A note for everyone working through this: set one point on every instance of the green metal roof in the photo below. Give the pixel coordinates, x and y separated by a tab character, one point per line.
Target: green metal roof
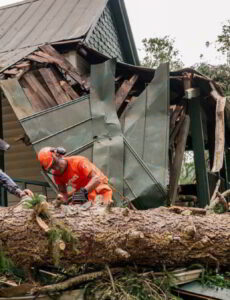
26	25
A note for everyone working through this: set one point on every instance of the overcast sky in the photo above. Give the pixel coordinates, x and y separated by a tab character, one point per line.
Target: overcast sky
190	23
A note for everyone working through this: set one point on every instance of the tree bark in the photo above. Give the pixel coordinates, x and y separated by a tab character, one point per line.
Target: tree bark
157	237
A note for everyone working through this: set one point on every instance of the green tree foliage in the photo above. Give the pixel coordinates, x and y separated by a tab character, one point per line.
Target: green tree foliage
219	73
160	50
223	39
212	279
188	175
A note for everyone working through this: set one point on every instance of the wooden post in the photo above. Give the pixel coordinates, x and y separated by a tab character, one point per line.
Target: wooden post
199	151
123	91
177	163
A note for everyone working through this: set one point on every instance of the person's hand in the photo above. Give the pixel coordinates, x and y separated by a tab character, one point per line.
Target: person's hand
60	199
63	199
26	192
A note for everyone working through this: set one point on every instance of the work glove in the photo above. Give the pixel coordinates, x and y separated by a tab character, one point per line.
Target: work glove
84	192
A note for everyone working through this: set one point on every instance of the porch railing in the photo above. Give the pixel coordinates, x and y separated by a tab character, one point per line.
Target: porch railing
24	183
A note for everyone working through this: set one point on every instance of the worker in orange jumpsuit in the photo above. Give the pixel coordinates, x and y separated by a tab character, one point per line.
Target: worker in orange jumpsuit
77	172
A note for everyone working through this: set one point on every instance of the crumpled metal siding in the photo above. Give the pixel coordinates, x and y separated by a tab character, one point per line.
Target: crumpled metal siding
146	127
108	146
156	144
141	185
133	158
61	125
54	126
138	167
147	122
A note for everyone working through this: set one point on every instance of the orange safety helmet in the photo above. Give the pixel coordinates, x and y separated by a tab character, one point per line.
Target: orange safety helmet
45	157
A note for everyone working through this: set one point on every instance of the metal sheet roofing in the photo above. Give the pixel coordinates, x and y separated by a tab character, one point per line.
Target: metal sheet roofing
11	57
35	22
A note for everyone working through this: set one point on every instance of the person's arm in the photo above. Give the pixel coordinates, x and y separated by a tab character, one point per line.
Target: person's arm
12	187
63	195
93	183
87	169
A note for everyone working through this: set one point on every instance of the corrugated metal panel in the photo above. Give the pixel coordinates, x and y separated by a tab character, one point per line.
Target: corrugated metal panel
37	22
146	144
49	128
112	150
108	147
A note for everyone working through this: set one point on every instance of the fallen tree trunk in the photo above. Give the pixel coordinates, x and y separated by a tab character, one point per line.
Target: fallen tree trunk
157	237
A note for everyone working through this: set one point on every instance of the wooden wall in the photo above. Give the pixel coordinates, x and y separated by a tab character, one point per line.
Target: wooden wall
20	160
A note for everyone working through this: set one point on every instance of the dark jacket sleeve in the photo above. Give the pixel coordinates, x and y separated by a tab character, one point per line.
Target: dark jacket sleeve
9	184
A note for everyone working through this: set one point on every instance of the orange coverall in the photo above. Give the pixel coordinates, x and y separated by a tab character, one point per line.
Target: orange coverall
77	175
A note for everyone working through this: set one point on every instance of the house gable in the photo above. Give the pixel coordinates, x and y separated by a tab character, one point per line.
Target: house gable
105	38
112	35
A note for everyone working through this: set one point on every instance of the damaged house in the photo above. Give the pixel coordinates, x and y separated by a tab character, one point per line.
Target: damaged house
70	77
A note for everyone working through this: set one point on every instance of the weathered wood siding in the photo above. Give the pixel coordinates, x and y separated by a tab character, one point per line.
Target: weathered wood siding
20	160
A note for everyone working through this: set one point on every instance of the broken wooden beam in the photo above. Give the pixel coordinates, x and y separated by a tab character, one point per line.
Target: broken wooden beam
37	58
38	88
63	63
22	72
175	130
13	71
124	90
54	86
24	64
34	99
50	59
174	116
177	163
69	90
